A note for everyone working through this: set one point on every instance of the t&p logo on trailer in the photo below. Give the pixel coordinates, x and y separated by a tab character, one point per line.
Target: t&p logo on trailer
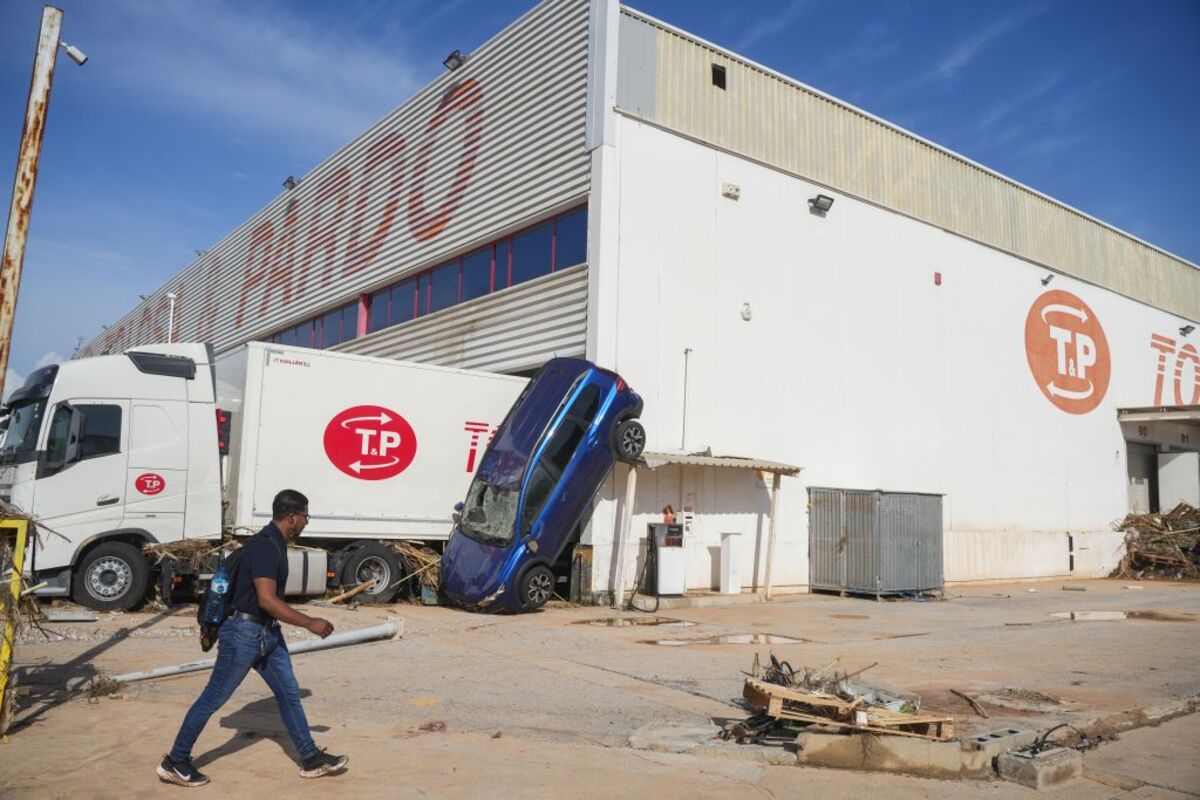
370	443
1067	352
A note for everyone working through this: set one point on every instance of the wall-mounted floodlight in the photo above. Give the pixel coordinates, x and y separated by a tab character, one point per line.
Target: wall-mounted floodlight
820	204
200	253
289	183
1047	279
143	297
454	60
1186	329
77	55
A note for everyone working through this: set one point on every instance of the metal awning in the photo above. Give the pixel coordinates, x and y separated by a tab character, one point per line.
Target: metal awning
656	460
1183	414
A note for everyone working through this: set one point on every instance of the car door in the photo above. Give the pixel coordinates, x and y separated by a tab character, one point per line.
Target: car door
80	489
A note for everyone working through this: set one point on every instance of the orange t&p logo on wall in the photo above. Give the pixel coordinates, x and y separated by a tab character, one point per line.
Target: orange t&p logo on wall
1067	351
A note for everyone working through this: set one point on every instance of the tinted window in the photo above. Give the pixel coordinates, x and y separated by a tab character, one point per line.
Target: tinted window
423	294
403	297
101	431
349	321
331	326
379	310
531	253
444	291
502	251
570	239
586	404
476	274
562	444
537	491
60	429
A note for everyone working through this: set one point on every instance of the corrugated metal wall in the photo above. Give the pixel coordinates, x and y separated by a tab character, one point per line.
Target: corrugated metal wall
517	329
475	154
871	542
768	118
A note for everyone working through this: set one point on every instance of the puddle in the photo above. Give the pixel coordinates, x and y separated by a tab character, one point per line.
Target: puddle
732	638
629	622
1108	616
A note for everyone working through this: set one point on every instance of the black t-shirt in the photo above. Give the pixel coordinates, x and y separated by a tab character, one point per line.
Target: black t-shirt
263	556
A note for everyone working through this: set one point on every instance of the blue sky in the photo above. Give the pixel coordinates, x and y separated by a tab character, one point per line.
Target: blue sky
190	114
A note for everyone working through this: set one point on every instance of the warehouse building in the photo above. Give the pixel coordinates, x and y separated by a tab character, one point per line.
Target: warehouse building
783	277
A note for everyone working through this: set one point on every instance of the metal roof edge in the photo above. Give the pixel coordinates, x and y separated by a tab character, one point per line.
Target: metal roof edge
904	131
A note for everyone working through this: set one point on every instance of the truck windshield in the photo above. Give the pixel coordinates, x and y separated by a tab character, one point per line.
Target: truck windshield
24	424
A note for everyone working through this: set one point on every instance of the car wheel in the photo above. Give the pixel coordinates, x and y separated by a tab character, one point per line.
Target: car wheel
629	440
376	563
112	576
537	587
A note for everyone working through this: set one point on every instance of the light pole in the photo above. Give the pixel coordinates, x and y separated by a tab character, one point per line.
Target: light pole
27	166
171	317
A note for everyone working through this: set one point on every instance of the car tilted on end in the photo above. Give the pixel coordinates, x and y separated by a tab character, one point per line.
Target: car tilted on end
536	482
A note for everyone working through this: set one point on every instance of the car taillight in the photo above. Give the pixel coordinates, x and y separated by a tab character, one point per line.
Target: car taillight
224	421
621	384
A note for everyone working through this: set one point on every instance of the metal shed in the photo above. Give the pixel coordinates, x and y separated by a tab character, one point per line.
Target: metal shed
874	542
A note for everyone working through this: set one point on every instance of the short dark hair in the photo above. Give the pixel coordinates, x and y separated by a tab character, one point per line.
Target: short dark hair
289	501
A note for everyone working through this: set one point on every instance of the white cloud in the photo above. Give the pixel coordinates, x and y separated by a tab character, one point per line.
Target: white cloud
259	68
12	382
46	360
772	24
969	47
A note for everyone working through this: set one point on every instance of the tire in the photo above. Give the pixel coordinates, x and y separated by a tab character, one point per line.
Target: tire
536	587
375	562
629	440
112	576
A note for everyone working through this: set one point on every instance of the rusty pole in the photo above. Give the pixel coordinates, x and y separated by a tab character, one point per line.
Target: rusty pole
27	166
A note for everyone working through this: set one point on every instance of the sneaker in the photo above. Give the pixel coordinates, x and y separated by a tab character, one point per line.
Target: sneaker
322	763
180	773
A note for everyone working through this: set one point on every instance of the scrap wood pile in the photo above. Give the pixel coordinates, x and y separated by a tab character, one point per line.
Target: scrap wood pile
793	699
1164	545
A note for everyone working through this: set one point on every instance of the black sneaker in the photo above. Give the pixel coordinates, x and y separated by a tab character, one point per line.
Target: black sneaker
180	773
322	763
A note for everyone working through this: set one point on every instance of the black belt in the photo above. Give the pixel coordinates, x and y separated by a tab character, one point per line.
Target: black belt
253	618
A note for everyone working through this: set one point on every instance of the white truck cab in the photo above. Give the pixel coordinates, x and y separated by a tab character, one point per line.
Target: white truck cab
166	442
110	453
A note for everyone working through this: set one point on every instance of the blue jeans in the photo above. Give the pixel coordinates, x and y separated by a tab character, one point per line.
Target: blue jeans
242	644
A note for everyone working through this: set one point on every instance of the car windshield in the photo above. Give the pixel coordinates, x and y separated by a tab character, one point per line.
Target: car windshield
24	423
489	513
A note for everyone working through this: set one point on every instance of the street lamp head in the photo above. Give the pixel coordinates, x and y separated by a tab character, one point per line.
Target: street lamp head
171	295
77	55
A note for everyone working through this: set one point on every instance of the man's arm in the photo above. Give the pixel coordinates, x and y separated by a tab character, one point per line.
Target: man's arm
270	603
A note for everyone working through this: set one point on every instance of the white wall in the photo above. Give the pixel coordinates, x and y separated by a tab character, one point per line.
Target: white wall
855	365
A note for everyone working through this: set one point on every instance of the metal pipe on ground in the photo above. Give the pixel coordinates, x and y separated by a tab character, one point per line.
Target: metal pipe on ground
388	630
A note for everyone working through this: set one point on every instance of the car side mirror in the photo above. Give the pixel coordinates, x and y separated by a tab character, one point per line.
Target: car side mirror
457	515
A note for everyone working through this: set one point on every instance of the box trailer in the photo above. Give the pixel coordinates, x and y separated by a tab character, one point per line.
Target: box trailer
167	443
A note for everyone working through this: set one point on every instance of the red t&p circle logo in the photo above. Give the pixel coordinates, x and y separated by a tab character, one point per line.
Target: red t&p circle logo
370	442
1067	352
149	483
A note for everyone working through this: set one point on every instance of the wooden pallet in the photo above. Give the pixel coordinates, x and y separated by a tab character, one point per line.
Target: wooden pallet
823	709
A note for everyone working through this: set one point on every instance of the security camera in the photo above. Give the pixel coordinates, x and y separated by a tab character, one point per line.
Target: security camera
77	55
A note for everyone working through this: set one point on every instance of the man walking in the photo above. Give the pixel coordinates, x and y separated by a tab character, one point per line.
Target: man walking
251	638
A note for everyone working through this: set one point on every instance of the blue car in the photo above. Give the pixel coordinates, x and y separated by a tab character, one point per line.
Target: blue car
536	482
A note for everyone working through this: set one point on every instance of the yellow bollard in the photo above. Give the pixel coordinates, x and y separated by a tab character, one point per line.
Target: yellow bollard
11	612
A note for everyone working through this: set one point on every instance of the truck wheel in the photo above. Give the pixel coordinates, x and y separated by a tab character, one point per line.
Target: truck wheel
376	563
629	440
112	576
536	587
